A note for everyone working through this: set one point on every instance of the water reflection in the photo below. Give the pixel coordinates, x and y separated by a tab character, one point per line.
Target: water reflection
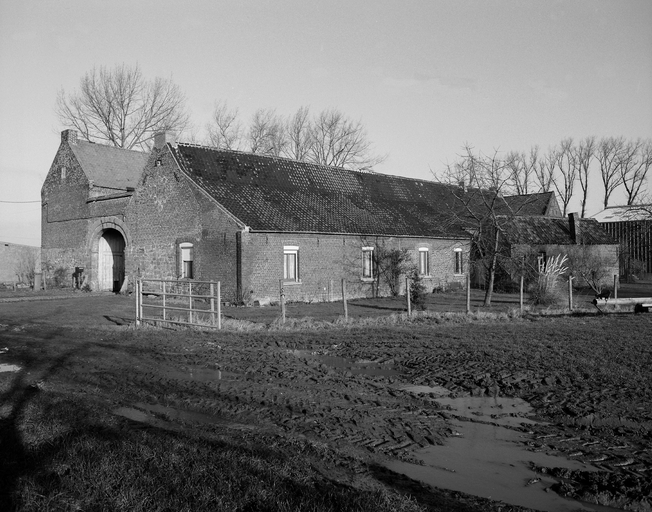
490	462
487	458
4	367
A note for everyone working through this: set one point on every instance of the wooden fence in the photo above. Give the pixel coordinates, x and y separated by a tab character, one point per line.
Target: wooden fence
179	302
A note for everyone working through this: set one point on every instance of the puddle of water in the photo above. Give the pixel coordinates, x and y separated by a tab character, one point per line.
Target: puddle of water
360	367
488	461
4	367
499	410
143	413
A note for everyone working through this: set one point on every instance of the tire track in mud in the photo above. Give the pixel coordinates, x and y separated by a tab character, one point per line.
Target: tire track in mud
604	422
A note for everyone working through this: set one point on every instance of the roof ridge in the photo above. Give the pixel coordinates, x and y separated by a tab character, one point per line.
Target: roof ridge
109	146
323	166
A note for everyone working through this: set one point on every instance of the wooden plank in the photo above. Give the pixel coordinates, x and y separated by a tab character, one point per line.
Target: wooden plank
622	301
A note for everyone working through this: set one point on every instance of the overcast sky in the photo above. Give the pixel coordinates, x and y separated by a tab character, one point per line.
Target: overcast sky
423	76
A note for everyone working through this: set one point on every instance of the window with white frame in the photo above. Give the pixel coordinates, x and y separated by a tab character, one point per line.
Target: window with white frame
424	261
187	260
367	262
291	263
459	261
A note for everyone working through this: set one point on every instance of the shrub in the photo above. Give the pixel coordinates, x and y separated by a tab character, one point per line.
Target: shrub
545	290
60	277
418	292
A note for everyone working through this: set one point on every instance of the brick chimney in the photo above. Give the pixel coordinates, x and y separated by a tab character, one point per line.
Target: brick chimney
575	227
69	136
164	137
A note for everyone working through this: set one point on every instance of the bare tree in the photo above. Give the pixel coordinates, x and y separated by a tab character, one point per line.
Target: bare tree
25	267
119	107
299	135
224	129
634	163
267	134
608	154
545	169
566	172
338	141
583	155
480	206
522	170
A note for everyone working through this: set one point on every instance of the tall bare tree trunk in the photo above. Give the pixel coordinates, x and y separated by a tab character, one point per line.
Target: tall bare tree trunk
492	273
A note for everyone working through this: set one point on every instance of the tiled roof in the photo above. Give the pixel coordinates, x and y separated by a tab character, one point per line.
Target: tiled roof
530	204
277	194
108	166
541	230
624	213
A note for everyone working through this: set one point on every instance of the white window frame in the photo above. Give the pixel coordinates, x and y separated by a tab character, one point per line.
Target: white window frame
424	261
187	251
291	272
368	270
458	262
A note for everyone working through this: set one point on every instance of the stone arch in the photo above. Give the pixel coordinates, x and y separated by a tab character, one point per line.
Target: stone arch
109	245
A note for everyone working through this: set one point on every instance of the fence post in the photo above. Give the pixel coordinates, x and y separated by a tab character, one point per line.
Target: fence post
137	302
468	293
219	305
189	302
282	300
570	293
164	293
407	296
346	309
615	286
520	297
212	294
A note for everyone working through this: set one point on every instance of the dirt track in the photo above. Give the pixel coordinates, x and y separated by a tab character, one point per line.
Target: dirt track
590	377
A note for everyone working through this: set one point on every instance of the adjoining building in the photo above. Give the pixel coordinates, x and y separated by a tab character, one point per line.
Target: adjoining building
19	263
529	243
632	226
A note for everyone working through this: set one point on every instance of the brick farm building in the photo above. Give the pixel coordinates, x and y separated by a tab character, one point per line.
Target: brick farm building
185	211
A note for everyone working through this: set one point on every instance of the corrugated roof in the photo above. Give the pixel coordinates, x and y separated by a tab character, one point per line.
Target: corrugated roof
108	166
277	194
541	230
624	213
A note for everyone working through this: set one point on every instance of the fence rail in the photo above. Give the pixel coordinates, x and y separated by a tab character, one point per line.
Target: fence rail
192	314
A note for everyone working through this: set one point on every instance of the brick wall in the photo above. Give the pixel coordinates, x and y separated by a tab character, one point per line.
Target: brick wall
167	210
603	258
324	260
70	225
65	213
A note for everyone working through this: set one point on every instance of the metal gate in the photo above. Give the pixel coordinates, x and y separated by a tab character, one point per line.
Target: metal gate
182	302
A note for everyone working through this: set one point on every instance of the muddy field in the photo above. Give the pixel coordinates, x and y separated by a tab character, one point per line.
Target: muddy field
588	377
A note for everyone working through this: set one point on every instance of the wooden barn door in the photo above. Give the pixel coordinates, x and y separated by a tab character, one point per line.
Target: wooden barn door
111	261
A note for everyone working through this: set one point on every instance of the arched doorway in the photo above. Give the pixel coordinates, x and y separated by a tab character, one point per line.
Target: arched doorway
111	261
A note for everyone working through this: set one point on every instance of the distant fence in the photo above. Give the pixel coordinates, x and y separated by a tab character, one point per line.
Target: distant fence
179	302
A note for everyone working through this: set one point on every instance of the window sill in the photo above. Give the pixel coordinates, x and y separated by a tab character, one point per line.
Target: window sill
368	279
291	283
423	276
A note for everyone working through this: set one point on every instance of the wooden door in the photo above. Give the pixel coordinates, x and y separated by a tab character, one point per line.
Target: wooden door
111	262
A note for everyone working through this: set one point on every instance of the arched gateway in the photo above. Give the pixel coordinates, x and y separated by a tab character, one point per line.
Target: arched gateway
110	261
